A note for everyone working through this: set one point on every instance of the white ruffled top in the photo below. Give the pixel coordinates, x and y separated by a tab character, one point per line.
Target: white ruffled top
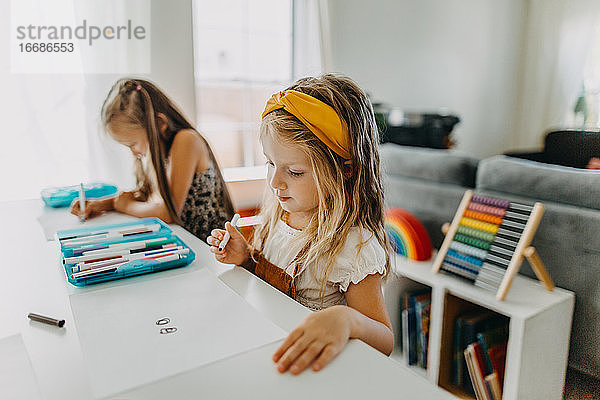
350	266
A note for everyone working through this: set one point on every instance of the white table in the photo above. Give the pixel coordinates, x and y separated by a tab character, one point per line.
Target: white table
33	280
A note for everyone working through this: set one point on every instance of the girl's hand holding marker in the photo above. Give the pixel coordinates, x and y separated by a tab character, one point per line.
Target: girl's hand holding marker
229	245
91	208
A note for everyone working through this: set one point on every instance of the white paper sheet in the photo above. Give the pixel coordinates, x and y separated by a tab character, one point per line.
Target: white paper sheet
122	344
59	219
17	379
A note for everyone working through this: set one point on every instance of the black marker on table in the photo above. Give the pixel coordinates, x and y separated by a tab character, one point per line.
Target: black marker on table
46	320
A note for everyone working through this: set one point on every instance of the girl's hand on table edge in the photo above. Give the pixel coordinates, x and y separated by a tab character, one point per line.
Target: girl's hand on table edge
317	340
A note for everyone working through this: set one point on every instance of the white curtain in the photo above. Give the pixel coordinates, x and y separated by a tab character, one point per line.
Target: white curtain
557	38
325	30
108	161
310	38
43	135
52	134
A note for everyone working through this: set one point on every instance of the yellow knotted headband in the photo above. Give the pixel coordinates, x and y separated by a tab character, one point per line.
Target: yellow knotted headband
320	118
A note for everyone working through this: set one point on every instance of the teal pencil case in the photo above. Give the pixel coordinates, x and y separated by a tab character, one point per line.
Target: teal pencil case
63	196
104	253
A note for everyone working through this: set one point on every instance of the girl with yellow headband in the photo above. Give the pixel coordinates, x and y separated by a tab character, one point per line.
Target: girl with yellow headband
322	240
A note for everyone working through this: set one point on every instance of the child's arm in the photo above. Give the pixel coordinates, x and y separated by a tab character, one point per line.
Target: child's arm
371	322
323	335
126	203
188	154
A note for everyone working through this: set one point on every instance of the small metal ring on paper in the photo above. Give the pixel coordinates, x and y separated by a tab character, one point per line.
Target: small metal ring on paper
170	329
163	321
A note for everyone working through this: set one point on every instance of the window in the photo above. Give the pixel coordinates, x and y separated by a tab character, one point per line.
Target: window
242	54
587	107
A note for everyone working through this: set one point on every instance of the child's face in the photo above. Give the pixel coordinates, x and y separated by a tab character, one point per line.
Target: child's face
290	176
133	137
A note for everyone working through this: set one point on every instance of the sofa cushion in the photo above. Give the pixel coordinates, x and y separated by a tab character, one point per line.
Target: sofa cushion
442	166
540	181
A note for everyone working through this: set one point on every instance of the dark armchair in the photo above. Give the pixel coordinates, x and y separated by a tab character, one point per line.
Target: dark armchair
571	148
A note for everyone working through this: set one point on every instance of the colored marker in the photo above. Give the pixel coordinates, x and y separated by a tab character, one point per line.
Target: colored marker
67	238
137	244
113	253
81	202
133	252
109	235
136	256
227	236
79	236
115	268
99	265
142	244
46	320
96	271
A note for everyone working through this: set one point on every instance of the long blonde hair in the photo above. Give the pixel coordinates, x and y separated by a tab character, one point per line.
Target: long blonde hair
137	102
349	195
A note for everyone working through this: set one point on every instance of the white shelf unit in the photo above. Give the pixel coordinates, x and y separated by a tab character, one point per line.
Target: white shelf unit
539	329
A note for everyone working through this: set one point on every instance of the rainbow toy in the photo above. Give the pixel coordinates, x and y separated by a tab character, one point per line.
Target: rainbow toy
487	240
407	234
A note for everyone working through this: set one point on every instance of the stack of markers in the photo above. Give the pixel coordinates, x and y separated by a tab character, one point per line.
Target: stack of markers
116	251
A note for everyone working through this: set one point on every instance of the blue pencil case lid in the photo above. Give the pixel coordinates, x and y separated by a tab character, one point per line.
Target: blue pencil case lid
63	196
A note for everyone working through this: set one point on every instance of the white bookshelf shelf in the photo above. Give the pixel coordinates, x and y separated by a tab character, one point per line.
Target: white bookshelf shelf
539	330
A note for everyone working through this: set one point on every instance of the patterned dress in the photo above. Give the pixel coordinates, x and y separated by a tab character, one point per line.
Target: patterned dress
204	208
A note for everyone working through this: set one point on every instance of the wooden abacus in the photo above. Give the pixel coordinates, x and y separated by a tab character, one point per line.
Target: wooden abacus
487	240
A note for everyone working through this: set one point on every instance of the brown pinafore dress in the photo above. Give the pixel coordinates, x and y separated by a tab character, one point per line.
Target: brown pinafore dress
276	276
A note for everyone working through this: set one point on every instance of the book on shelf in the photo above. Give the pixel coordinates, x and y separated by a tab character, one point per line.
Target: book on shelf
425	332
405	336
422	308
488	390
467	328
457	354
485	386
497	356
496	339
494	386
415	327
411	338
480	359
475	374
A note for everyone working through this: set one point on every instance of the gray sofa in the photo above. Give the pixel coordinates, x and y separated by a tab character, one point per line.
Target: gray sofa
430	184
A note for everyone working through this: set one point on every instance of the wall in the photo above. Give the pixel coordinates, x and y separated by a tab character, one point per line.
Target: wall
462	55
